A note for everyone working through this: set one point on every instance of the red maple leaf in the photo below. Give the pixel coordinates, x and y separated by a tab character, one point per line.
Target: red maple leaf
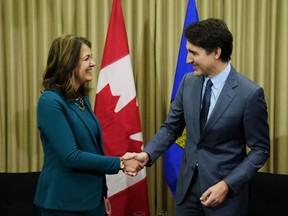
117	127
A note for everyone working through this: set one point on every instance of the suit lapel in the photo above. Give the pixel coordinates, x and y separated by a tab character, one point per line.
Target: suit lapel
196	95
225	98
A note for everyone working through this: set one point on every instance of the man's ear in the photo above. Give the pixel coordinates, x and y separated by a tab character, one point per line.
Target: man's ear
217	53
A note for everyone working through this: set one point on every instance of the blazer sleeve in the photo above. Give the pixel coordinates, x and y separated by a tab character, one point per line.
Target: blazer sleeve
57	136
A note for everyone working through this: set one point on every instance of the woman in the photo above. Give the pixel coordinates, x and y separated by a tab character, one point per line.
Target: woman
72	180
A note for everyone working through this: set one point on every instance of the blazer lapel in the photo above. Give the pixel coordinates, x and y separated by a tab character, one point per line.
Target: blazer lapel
78	112
100	142
225	98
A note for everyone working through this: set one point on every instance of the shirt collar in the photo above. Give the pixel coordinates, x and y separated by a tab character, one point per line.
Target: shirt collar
220	78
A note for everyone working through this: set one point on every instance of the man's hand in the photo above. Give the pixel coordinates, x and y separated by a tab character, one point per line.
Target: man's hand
134	162
215	195
141	157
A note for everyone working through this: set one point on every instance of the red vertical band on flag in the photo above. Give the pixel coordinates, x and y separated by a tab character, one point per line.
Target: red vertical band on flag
117	110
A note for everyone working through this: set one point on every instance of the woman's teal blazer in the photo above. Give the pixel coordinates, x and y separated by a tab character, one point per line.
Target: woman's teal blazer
73	173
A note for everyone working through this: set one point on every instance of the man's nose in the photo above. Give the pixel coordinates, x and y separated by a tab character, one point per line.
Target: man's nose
189	60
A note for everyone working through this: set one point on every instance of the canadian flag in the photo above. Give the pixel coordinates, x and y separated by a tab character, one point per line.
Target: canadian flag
117	110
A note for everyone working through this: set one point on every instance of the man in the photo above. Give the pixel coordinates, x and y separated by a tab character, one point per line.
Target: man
215	168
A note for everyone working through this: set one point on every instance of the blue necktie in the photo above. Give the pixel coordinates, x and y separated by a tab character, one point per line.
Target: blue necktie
205	105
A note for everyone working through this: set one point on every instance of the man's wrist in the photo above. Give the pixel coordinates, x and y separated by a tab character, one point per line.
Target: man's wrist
148	160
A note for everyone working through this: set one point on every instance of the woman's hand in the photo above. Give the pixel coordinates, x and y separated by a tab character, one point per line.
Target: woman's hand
108	209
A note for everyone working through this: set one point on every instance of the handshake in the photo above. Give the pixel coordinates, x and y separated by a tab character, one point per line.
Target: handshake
132	163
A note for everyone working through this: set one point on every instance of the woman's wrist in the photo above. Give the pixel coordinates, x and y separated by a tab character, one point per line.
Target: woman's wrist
122	165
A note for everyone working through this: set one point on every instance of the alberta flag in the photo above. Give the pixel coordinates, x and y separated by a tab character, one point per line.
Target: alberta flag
117	110
173	156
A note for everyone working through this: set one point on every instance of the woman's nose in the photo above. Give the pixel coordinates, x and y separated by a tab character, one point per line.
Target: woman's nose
92	63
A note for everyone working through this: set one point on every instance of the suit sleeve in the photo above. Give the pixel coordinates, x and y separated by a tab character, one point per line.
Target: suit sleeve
257	138
170	130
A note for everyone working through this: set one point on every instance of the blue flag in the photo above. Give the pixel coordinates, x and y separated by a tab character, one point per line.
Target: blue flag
173	156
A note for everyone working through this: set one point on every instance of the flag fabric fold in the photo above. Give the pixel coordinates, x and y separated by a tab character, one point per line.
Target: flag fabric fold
117	110
173	156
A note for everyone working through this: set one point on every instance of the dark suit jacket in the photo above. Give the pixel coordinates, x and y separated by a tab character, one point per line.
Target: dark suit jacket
239	119
73	174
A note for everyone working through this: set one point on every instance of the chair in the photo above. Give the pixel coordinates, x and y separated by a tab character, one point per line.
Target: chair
268	195
17	193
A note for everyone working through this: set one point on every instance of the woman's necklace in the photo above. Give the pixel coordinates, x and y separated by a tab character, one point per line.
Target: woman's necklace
80	103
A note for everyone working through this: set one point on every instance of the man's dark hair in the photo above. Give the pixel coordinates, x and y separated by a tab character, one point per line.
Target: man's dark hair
211	34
